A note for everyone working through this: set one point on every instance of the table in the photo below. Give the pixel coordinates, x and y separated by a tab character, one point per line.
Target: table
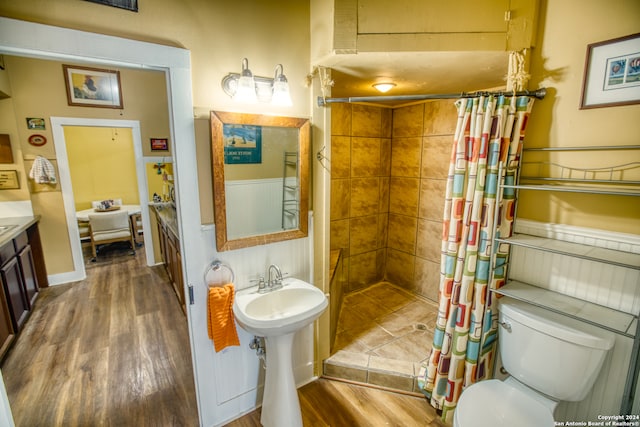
83	216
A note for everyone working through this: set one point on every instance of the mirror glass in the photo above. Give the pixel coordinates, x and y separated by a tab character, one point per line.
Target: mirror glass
260	171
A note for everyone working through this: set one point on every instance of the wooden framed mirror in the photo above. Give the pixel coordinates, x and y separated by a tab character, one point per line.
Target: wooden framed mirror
260	168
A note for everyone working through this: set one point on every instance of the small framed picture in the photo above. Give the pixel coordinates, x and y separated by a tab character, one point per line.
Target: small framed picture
35	123
159	144
9	180
612	73
92	87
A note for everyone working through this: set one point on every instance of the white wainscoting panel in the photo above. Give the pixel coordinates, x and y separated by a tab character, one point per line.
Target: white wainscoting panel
236	374
608	285
254	206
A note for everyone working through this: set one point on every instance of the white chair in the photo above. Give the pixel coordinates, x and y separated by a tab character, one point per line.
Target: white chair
84	229
136	226
110	227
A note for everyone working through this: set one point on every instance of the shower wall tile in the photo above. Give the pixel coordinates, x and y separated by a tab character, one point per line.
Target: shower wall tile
407	121
383	205
400	269
406	156
402	233
385	156
386	115
436	153
339	236
366	121
363	270
403	196
432	195
427	278
383	230
340	196
363	234
364	196
440	117
365	157
341	119
428	243
381	262
340	157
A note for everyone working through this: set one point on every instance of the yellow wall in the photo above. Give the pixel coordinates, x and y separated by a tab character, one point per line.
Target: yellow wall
156	182
557	62
102	165
218	35
38	90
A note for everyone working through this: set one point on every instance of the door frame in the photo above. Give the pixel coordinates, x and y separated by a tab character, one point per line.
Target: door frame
22	38
59	140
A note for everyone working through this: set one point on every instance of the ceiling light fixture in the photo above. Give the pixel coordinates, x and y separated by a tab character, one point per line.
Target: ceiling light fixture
384	87
247	88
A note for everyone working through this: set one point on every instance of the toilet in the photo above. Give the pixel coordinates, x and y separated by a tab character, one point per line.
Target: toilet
549	357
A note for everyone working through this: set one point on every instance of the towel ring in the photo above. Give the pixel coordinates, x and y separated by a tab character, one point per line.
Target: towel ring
218	274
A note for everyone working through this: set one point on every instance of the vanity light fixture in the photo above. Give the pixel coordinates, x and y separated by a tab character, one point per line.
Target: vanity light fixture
245	85
281	95
247	88
384	87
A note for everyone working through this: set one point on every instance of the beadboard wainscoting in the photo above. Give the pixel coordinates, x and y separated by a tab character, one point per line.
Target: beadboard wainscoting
259	206
236	374
612	286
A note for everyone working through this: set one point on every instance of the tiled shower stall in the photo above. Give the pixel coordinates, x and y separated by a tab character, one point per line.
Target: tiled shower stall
388	175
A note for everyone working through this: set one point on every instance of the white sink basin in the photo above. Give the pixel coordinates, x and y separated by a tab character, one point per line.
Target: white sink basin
279	312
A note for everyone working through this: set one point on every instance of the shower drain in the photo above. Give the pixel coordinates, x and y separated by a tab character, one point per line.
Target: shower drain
421	326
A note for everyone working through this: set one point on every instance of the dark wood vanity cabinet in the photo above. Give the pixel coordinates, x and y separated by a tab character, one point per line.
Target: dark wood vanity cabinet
19	290
170	251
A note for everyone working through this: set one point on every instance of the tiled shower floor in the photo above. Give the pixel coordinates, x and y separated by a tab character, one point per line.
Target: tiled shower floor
383	335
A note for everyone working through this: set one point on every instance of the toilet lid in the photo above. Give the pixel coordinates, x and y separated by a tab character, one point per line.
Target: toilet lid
493	403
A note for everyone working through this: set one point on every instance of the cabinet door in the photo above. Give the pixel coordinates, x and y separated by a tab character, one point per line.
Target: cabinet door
14	290
7	332
29	279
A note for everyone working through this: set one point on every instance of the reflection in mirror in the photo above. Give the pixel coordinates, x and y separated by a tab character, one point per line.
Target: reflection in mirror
260	178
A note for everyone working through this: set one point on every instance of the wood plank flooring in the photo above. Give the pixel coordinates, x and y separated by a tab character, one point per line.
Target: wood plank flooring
333	403
112	350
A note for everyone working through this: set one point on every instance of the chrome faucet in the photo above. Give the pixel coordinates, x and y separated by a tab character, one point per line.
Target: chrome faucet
274	283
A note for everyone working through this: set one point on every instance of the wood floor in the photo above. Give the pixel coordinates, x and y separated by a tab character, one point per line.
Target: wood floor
112	350
333	403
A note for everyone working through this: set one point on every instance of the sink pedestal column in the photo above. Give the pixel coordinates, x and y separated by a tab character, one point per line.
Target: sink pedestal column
280	404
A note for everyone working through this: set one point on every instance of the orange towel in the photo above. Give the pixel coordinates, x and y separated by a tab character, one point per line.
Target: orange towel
220	322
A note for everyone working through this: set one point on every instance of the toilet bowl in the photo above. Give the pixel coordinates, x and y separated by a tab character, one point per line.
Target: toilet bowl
550	358
508	405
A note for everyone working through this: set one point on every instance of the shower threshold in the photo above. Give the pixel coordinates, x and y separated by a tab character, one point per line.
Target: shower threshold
383	336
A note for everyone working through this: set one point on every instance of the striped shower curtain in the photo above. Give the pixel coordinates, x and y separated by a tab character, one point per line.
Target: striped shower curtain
489	132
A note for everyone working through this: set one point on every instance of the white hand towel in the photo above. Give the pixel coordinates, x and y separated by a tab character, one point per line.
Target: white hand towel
42	171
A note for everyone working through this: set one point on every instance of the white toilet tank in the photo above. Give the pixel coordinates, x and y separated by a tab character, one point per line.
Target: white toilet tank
553	354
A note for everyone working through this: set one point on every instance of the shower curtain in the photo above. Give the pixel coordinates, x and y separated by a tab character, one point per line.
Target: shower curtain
489	132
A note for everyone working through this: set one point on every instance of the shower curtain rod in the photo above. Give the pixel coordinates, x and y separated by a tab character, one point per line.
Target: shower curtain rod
539	94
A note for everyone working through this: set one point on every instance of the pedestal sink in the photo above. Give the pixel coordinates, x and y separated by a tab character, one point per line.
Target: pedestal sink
277	315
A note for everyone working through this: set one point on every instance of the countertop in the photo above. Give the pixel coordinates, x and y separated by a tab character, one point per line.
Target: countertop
18	224
168	215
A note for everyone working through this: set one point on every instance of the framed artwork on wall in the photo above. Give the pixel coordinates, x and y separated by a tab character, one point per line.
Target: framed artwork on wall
131	5
159	144
612	73
92	87
9	180
242	143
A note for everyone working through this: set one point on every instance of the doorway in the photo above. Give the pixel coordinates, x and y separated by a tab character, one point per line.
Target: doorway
58	125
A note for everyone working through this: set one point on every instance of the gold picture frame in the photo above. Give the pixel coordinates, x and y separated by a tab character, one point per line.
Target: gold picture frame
92	87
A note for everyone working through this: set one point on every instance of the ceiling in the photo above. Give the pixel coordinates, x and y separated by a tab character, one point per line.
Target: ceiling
416	73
